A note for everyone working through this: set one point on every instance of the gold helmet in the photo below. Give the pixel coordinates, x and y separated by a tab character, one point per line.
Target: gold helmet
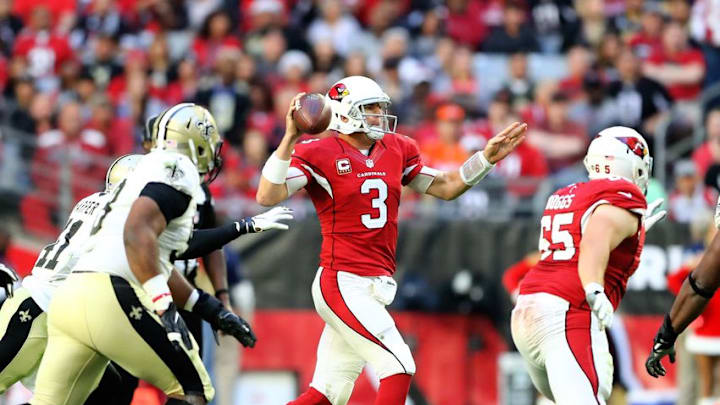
189	129
119	169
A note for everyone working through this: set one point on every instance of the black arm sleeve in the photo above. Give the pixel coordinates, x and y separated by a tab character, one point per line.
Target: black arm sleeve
204	241
172	203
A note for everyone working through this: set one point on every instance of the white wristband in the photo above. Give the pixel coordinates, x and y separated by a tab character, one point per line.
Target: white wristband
159	292
275	169
475	169
192	299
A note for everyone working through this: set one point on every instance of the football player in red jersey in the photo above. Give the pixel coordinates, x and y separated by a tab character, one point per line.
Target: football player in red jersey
354	180
591	237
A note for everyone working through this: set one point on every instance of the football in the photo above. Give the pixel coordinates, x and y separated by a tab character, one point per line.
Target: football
313	116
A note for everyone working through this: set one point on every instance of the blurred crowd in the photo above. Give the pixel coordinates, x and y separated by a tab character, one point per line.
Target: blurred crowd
79	79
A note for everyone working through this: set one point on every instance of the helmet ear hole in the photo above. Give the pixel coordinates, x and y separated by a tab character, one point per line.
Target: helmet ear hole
201	150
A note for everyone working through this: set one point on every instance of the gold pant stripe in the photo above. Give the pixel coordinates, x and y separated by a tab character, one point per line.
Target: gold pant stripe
24	336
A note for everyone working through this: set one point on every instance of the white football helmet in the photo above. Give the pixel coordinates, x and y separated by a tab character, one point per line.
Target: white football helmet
619	152
119	170
348	98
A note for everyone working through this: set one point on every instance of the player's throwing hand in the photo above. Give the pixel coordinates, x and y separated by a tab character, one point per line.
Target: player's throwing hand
505	142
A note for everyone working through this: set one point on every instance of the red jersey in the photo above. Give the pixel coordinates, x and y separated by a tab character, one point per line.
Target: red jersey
357	197
566	213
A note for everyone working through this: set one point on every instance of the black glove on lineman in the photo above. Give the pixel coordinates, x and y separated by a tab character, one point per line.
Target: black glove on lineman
8	278
176	329
664	345
214	312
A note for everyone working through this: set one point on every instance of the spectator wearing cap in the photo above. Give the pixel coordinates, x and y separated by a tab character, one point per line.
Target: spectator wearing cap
562	141
708	154
227	101
514	35
294	68
640	101
705	29
445	152
680	68
266	15
648	40
216	34
335	25
690	196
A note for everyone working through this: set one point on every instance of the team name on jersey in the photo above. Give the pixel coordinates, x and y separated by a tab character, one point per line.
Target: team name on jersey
366	174
559	202
86	207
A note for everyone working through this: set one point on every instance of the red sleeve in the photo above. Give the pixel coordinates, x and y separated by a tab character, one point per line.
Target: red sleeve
413	161
302	157
22	45
623	194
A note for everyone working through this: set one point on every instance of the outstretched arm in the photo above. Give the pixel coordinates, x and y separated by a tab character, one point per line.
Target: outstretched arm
451	185
696	291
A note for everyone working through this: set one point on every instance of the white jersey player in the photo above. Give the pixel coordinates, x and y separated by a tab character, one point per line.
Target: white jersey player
117	296
23	318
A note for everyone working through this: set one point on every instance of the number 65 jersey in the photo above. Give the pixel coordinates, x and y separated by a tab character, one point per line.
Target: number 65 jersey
57	259
356	197
561	228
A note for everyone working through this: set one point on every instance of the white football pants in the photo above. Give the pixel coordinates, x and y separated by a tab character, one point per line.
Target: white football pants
565	352
358	330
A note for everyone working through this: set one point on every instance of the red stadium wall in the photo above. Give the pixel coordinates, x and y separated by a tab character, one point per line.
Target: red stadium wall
462	352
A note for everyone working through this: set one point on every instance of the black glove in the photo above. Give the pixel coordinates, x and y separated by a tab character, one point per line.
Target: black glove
664	344
176	329
8	278
214	312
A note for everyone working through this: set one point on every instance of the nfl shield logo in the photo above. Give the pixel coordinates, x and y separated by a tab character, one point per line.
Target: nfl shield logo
369	163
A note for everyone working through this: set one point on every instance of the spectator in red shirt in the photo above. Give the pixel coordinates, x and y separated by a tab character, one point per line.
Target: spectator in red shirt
215	35
466	22
649	39
69	162
44	51
578	64
709	152
525	166
676	65
117	130
562	141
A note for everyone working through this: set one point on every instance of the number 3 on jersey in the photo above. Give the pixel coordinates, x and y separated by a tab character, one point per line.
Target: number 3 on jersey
551	224
378	203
